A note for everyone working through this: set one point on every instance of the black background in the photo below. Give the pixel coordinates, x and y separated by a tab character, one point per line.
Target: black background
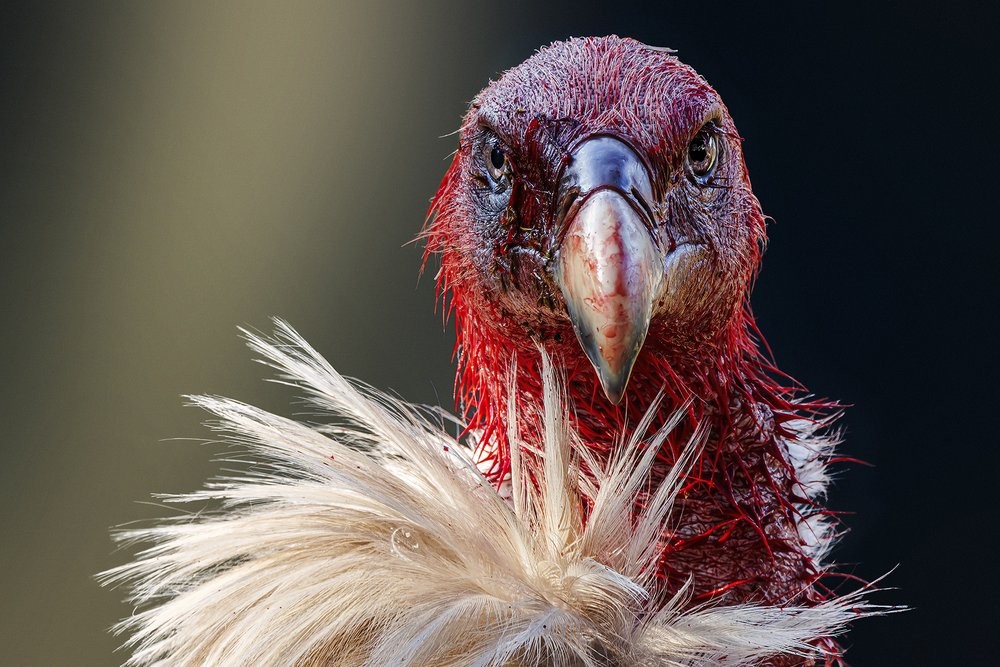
171	170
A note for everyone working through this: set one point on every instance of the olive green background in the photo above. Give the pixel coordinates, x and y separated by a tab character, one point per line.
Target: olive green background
174	169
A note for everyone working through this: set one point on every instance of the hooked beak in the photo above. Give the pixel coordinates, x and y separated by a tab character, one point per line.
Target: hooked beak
609	269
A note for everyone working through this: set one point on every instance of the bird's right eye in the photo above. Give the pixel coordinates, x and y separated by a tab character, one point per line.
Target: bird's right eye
498	159
497	164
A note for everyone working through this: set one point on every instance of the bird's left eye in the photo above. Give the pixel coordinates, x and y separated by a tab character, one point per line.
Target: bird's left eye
703	153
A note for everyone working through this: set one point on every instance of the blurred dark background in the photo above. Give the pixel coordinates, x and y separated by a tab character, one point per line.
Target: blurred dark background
172	170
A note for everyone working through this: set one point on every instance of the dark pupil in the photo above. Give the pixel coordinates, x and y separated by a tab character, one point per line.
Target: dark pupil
497	158
698	149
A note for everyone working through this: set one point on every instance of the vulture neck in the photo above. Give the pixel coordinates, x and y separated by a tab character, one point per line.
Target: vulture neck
727	385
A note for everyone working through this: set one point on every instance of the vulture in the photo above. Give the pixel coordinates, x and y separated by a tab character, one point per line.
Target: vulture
628	480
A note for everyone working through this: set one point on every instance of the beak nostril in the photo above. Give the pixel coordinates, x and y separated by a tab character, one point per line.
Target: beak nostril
644	205
605	161
566	201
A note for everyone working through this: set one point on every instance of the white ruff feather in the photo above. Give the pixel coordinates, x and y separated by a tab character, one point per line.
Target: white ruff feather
376	541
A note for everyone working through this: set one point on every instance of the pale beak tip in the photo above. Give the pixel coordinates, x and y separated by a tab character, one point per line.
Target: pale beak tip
614	381
614	388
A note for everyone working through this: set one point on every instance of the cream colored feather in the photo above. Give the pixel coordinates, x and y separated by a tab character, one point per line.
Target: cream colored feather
374	540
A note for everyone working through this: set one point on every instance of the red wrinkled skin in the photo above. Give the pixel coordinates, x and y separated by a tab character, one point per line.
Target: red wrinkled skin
737	537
